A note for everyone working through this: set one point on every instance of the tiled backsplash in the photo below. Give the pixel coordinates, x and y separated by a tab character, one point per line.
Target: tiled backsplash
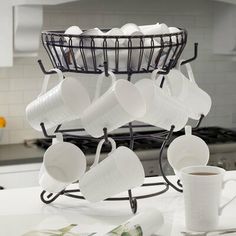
215	74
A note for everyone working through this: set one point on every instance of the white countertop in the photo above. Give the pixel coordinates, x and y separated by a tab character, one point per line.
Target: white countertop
21	210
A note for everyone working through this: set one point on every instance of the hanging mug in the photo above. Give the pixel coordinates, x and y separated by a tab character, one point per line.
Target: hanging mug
63	163
162	109
121	170
119	105
196	101
64	102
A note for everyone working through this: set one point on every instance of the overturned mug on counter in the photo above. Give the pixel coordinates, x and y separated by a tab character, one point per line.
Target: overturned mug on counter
64	102
202	187
63	163
113	175
119	105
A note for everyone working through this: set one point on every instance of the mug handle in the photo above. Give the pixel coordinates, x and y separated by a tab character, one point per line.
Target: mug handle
58	139
188	68
190	73
99	83
46	80
99	148
221	208
154	77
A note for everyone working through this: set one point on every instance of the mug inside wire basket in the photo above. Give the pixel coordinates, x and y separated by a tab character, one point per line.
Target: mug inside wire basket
123	54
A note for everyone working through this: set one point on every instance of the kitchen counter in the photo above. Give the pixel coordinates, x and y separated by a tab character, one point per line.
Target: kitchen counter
12	154
21	210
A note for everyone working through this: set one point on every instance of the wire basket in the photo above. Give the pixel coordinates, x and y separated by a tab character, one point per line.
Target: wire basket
123	54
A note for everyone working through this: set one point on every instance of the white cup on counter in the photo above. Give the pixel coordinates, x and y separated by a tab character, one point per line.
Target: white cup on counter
202	187
63	163
113	175
162	110
187	150
64	102
186	90
119	105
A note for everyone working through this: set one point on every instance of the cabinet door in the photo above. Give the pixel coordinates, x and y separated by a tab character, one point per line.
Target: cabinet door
19	176
224	30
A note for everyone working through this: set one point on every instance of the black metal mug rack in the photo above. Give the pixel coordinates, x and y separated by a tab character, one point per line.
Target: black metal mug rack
62	54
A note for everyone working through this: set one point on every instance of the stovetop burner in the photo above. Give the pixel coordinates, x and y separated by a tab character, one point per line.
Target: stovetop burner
89	146
214	135
211	135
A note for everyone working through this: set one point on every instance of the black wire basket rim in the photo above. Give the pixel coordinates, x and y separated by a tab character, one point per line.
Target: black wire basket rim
58	44
62	34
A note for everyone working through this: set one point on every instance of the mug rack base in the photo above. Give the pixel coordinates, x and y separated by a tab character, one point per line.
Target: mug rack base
48	198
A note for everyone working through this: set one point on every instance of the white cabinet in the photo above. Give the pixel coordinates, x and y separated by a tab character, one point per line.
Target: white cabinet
21	36
19	176
224	28
227	1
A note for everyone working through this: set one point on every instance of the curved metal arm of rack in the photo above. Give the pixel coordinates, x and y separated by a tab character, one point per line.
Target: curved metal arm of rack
43	68
132	200
195	55
160	161
199	122
46	135
50	197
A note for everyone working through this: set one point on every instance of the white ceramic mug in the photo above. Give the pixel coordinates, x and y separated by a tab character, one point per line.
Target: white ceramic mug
85	57
63	163
111	42
202	186
73	41
195	100
151	52
162	110
64	102
187	150
73	30
156	29
130	29
174	30
136	57
120	171
117	57
119	105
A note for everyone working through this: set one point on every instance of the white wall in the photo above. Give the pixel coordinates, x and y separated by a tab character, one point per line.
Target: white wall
216	74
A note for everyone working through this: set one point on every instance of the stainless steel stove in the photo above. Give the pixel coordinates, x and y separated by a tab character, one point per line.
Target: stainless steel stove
221	142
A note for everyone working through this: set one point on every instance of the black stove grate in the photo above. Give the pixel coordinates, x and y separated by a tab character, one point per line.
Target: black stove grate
211	135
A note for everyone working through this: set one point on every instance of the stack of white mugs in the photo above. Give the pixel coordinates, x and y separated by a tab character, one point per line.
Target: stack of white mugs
151	46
